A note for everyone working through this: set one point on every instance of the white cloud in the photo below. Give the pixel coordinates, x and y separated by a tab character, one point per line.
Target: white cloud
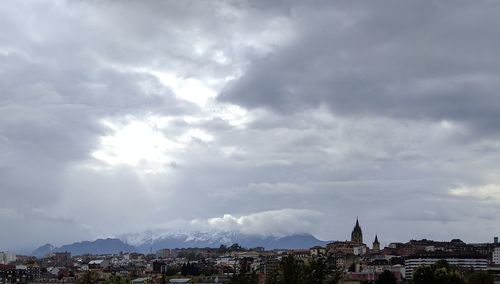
489	192
276	222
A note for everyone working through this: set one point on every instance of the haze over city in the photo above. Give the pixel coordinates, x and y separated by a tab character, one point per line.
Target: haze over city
260	117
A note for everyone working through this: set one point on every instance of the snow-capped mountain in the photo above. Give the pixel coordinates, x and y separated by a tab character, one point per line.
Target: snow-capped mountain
154	240
159	239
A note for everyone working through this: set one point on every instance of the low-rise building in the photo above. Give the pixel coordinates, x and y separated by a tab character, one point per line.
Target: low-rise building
346	247
99	264
317	251
462	261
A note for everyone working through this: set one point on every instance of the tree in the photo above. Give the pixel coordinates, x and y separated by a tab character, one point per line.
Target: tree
335	276
352	267
423	275
89	277
273	278
315	272
244	278
439	273
116	280
292	271
480	278
386	278
222	249
245	274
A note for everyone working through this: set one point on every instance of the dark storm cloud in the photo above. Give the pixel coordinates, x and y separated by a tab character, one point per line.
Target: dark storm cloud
336	109
411	59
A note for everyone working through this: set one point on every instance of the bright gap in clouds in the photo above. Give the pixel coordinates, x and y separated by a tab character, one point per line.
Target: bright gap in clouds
190	89
136	143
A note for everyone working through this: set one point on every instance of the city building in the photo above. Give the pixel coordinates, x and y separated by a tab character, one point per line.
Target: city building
495	258
163	253
462	261
99	264
7	257
317	251
62	258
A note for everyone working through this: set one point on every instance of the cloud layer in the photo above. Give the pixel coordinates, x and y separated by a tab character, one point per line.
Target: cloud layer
268	117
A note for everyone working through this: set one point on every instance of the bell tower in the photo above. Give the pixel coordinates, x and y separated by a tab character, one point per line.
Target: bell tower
357	234
376	244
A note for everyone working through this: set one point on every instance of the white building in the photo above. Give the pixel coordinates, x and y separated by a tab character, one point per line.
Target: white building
359	250
412	263
496	255
226	261
7	257
99	264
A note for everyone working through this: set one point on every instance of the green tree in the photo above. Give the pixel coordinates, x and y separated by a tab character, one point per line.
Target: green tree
244	278
89	277
335	276
291	269
315	272
439	273
116	280
480	277
424	275
352	267
386	278
273	277
245	274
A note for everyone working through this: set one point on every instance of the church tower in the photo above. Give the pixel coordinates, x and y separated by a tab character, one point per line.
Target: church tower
357	235
376	244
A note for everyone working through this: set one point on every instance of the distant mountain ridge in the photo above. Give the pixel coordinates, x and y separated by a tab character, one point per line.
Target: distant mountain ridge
158	240
147	241
99	246
43	250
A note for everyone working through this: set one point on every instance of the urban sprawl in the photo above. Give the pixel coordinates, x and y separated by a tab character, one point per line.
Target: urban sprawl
416	261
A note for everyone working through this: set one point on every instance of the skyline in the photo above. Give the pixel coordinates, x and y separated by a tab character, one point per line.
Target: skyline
262	117
147	241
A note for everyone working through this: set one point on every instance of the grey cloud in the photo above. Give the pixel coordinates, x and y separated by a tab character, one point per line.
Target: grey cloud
416	60
345	109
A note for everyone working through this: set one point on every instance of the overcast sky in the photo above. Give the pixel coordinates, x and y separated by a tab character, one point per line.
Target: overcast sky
267	117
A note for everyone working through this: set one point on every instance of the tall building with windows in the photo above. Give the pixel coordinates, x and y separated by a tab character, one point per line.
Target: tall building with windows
7	257
495	258
357	234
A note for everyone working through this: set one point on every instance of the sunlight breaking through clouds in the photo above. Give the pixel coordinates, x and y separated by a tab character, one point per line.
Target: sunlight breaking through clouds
136	144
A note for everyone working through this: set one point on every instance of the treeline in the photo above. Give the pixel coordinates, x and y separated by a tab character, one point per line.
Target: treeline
292	271
443	273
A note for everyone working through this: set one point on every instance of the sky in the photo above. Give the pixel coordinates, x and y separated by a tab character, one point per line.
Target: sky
262	117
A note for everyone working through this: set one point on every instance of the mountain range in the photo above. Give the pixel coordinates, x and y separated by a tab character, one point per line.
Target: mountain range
99	246
152	241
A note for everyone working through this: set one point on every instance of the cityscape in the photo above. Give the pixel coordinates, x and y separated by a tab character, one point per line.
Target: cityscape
250	141
350	261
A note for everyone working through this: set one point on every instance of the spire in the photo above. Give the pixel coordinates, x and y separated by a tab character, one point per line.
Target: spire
376	244
357	234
